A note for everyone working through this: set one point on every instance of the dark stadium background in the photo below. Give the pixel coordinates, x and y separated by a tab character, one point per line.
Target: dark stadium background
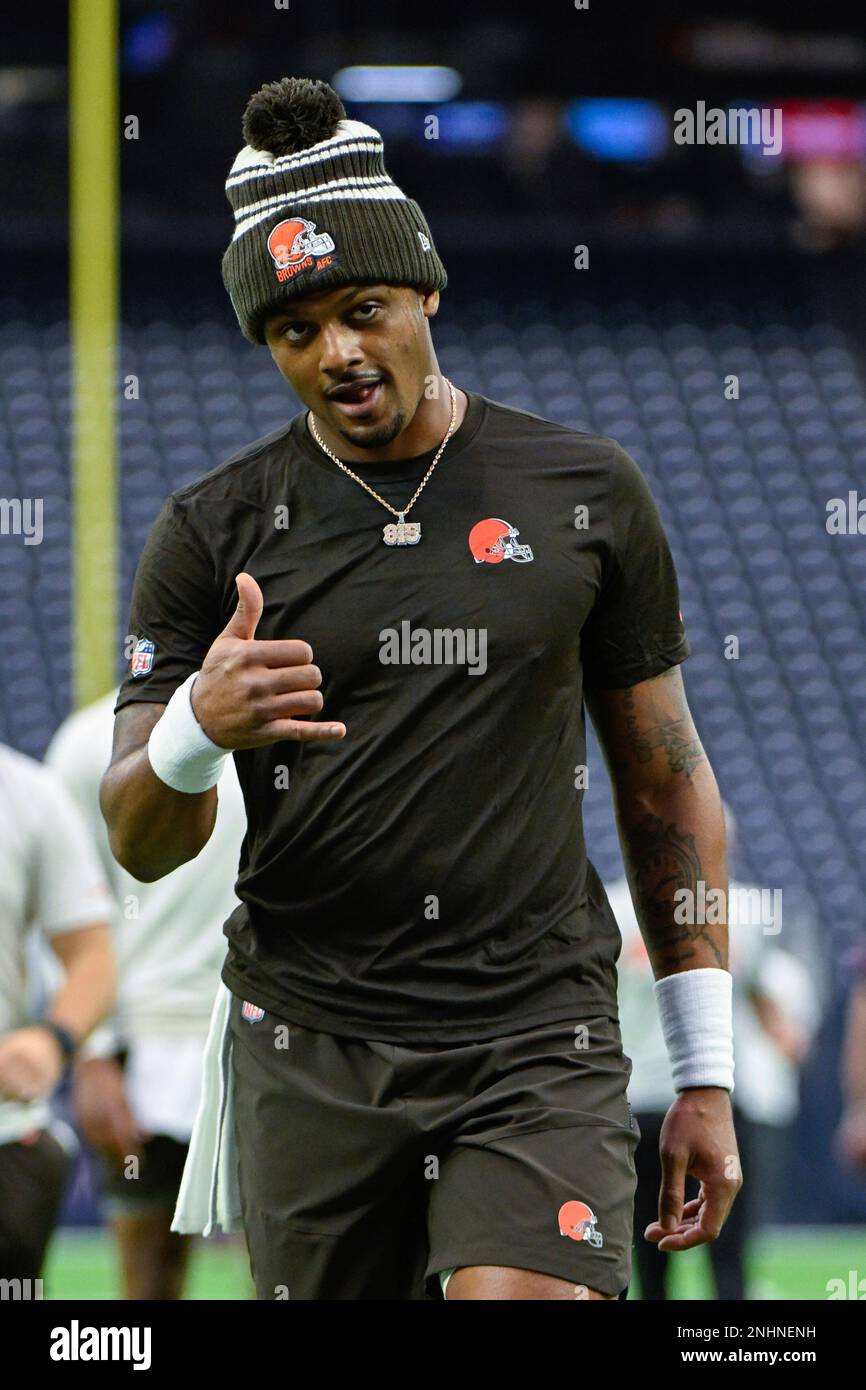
703	261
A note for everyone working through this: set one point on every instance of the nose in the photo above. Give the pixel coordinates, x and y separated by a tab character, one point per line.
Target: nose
340	352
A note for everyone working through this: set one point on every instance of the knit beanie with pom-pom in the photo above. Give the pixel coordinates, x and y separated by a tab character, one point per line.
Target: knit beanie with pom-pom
314	208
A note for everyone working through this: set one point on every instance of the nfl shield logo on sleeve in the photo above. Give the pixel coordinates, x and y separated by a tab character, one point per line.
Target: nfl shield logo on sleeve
142	657
251	1012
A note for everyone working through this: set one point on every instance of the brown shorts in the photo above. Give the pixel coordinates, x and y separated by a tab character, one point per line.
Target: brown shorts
366	1168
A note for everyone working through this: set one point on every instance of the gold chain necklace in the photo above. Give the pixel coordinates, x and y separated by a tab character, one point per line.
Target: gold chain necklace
402	532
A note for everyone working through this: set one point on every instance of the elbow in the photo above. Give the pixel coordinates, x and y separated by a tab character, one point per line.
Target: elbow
145	873
136	865
138	854
147	860
144	863
125	849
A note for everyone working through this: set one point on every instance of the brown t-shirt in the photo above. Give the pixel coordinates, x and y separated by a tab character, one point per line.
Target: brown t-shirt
425	877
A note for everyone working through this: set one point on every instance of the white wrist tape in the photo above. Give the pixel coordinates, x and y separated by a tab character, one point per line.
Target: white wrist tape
695	1007
180	752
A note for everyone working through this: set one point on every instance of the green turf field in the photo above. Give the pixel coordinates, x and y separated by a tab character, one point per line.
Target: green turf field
83	1264
782	1264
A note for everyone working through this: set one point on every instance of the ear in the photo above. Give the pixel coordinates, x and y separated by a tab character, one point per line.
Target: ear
430	303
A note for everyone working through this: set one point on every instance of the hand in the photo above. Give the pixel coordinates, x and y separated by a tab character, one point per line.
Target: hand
249	689
697	1138
31	1064
102	1110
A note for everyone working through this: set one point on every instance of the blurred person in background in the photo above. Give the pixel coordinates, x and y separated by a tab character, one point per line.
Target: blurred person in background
136	1085
776	1016
50	881
850	1139
829	195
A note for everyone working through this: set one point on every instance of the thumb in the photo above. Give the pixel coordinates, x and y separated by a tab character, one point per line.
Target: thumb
244	620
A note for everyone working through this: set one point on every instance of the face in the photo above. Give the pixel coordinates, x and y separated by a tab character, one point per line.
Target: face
370	343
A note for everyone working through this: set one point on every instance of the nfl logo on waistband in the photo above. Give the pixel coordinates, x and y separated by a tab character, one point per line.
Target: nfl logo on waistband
251	1012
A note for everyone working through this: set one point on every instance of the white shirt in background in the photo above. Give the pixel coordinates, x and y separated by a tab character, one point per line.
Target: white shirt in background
168	934
51	881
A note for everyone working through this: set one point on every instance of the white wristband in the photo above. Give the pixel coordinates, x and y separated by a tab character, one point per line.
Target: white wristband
180	752
696	1013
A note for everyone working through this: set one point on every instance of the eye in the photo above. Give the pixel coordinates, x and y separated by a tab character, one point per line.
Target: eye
285	332
368	304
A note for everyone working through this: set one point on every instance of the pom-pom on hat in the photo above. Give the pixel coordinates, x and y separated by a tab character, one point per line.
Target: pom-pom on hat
314	208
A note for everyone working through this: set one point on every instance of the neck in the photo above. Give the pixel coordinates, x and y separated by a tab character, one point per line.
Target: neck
424	431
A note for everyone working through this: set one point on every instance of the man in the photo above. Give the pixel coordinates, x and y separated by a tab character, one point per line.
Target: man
775	1014
137	1081
50	881
427	1069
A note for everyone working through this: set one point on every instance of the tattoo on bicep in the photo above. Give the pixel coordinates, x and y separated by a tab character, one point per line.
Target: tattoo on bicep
683	753
663	861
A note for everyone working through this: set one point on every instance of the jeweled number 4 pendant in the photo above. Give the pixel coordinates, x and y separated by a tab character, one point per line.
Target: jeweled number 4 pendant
402	532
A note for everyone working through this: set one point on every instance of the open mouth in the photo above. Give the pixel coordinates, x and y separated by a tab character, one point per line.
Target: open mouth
359	398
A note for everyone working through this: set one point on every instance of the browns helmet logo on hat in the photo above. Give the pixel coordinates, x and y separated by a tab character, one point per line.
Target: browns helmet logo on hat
295	238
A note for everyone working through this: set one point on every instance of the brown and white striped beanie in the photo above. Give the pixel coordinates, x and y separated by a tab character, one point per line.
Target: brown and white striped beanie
314	207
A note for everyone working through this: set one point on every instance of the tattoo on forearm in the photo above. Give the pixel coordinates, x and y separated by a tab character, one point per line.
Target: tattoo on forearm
664	859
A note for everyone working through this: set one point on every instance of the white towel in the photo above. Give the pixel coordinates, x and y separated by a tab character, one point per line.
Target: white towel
209	1198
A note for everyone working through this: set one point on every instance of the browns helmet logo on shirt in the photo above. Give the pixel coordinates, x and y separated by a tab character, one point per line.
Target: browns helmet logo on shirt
295	245
494	540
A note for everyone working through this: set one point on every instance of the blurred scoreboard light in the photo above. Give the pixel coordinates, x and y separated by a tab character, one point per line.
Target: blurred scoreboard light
823	130
626	129
397	82
826	130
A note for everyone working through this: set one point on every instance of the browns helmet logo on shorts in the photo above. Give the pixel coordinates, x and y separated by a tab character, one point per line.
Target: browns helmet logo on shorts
578	1222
